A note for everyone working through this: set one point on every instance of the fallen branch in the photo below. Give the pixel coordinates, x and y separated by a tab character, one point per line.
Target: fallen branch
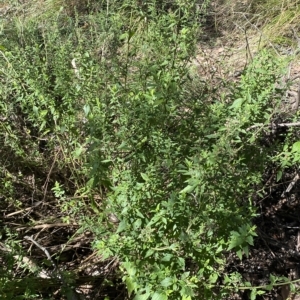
43	226
72	294
295	179
274	125
23	210
43	249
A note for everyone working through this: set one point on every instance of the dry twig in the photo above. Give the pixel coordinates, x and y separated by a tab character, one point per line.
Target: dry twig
72	295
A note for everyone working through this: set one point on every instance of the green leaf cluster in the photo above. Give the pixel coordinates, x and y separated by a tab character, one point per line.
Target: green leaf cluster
178	169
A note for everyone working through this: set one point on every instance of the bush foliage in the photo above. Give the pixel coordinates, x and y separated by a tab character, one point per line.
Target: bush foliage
106	93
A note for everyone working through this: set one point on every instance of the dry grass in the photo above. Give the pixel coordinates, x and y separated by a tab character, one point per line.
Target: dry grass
277	20
273	19
42	9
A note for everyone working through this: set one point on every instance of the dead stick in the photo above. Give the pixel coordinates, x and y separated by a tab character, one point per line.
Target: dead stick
43	249
47	226
73	294
279	125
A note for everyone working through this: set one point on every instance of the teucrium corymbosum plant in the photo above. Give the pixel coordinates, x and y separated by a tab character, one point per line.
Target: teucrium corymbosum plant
178	169
174	166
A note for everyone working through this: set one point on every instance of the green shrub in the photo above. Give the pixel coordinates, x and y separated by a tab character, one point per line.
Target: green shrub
178	169
175	167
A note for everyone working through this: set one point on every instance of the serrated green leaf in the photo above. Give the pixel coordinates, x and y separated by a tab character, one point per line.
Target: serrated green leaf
86	109
253	294
219	260
237	103
167	257
122	226
35	109
235	233
188	189
137	224
213	278
292	287
279	175
124	36
239	253
123	146
181	262
159	296
129	268
173	246
249	240
220	248
145	177
272	279
186	291
212	136
260	292
185	275
227	279
149	253
235	242
167	282
142	297
78	152
139	214
43	113
130	284
296	147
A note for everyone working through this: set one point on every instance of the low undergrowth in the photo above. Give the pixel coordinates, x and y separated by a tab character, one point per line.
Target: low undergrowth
99	114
